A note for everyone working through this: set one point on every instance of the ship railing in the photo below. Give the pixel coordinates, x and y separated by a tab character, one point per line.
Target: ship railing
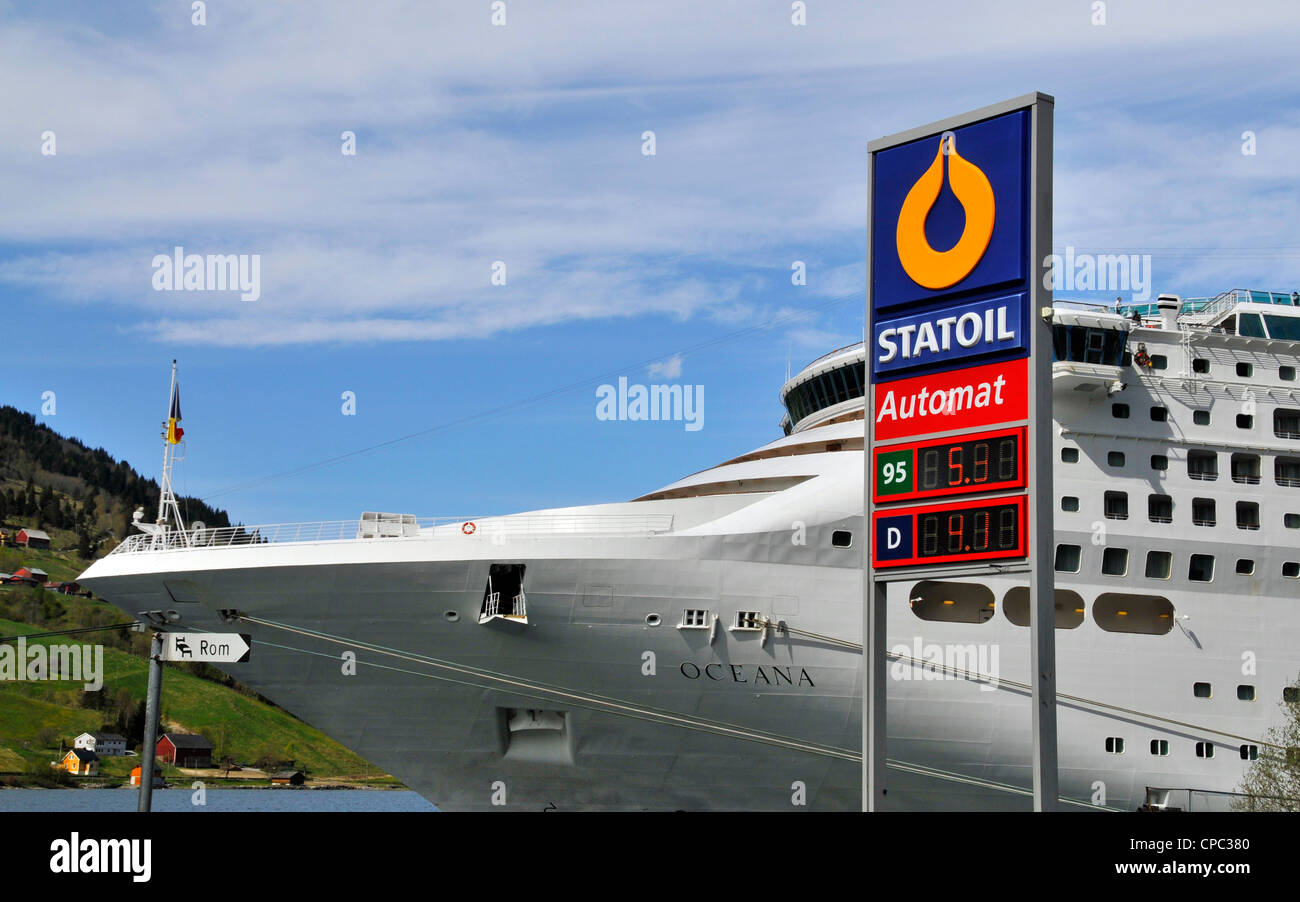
1085	306
1208	308
491	606
1185	798
856	344
405	529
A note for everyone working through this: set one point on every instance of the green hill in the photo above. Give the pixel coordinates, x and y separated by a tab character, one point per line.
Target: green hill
83	499
39	718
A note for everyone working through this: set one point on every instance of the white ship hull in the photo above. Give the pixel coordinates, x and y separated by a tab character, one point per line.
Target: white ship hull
607	694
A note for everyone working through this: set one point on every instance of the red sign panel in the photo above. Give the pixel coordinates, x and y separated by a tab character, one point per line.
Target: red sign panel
958	399
957	532
958	465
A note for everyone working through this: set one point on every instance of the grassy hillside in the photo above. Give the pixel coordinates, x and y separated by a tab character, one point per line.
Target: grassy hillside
36	716
83	498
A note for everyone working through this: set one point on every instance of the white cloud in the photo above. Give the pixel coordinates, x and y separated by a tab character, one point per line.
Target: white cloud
668	369
522	144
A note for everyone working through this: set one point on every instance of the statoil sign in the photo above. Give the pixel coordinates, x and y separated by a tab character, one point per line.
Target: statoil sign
953	335
958	468
950	213
990	327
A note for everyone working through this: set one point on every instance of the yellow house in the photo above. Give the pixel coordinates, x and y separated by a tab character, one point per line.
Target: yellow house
82	762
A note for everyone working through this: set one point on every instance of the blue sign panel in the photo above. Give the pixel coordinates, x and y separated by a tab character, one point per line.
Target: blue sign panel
893	538
990	326
949	214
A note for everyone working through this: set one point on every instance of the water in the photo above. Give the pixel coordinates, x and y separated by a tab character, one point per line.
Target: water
181	799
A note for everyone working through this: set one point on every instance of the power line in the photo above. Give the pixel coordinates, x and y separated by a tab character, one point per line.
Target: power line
87	629
535	399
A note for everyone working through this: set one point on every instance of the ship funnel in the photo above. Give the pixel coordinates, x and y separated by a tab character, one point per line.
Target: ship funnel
1169	305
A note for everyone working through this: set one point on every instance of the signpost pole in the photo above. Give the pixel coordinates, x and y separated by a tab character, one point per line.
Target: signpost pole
876	617
874	741
151	722
1042	578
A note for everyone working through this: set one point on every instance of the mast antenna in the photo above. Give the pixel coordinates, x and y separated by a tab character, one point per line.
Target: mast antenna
169	512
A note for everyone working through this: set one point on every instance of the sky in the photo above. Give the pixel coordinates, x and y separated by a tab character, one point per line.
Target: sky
517	153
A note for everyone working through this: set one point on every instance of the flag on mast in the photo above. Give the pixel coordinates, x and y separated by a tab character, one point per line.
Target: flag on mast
174	432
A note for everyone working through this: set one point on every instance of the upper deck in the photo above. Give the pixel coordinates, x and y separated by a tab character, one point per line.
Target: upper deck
1091	342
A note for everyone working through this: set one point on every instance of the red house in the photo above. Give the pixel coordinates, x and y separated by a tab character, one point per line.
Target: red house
184	750
33	576
32	538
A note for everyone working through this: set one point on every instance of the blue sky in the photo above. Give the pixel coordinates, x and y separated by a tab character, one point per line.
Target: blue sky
522	143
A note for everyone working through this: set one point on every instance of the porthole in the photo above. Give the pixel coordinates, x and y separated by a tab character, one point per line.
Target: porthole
450	616
1120	612
652	619
1068	604
951	602
841	538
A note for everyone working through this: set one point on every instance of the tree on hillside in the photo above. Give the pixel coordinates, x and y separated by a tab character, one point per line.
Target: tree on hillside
1272	783
50	514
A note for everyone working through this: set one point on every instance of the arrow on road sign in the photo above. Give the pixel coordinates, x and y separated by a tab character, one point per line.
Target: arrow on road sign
225	648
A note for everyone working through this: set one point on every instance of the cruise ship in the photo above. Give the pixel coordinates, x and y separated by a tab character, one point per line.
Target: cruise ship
699	647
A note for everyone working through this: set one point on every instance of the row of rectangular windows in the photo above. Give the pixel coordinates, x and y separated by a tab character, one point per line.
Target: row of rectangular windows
1202	366
1286	422
1245	693
1204	465
1160	748
1159	564
1160	509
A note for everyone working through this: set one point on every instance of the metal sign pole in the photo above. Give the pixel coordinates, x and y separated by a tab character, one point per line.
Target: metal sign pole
1042	576
876	594
151	722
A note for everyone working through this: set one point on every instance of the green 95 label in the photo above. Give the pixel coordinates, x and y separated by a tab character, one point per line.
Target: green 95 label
894	472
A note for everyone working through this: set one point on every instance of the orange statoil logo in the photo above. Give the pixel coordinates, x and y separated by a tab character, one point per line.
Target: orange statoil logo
942	269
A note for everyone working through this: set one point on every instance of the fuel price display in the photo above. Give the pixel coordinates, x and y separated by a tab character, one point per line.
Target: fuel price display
979	462
947	533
